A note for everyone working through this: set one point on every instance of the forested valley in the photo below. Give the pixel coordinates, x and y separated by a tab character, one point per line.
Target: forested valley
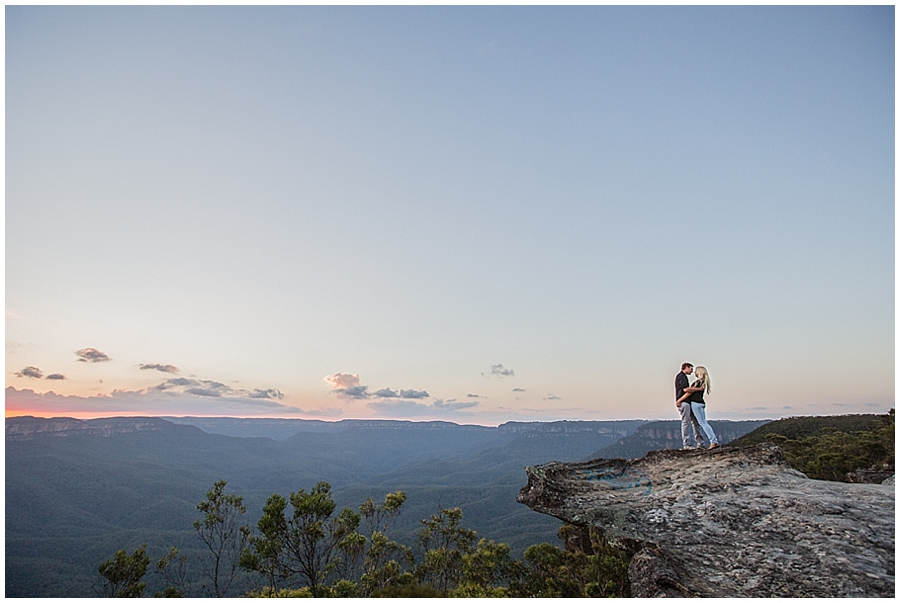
77	491
310	550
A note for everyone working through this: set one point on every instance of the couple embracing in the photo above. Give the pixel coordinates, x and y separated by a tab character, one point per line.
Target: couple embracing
690	403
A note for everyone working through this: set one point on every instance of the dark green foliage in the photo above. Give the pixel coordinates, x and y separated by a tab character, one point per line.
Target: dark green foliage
800	427
451	564
830	448
121	576
348	555
595	569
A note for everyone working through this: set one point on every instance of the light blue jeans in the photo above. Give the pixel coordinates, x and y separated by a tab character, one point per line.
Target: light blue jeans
689	422
699	412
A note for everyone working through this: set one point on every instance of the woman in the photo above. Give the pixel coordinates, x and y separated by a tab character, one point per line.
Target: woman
694	396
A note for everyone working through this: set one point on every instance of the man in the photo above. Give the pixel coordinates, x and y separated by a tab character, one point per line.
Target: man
688	420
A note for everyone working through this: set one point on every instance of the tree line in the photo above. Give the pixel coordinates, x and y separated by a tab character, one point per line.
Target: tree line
302	546
832	447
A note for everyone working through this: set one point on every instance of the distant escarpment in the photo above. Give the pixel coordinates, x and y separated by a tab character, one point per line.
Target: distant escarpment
27	428
730	522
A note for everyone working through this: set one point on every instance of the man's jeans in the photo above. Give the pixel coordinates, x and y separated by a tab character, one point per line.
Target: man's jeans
699	413
688	420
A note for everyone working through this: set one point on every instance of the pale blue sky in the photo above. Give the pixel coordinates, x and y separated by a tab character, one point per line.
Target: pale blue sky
526	213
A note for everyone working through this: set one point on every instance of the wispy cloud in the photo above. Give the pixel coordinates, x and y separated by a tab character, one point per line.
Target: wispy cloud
498	370
177	382
474	396
403	393
348	385
214	389
453	405
163	368
152	401
91	355
552	397
204	391
56	377
407	408
518	389
31	371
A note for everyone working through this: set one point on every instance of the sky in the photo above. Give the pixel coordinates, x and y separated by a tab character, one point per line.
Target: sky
470	214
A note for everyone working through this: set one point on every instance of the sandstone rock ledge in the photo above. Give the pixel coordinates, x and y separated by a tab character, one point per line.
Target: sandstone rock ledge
728	522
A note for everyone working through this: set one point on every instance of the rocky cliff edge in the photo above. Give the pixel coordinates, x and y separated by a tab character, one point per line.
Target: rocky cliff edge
728	522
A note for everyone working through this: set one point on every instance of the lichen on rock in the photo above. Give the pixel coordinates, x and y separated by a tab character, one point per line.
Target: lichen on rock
728	522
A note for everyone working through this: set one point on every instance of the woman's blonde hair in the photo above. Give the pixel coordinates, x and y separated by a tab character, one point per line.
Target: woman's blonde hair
703	378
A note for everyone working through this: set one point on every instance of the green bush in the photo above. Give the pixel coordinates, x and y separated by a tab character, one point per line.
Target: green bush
829	448
599	569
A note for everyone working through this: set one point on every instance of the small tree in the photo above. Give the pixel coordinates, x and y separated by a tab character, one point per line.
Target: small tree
225	533
313	536
327	553
121	576
312	544
383	561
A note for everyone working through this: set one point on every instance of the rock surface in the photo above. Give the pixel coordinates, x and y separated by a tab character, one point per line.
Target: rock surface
728	522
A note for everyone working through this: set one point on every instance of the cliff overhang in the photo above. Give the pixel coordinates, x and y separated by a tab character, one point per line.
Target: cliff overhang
727	522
